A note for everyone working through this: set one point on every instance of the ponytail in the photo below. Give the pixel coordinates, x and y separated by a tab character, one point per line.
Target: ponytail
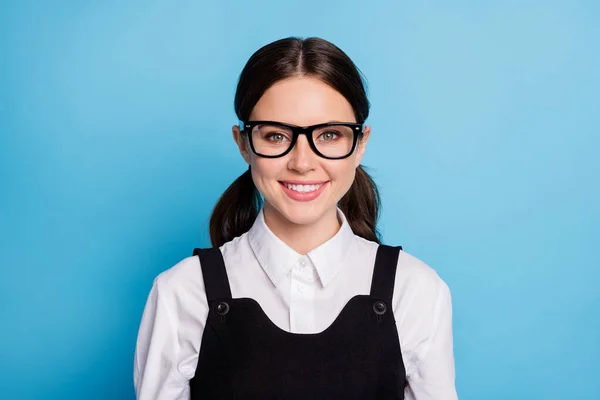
235	211
361	206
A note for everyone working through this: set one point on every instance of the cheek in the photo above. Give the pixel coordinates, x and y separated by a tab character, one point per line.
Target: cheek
343	172
265	171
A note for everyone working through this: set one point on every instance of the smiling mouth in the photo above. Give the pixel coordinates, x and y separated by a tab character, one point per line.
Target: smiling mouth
303	188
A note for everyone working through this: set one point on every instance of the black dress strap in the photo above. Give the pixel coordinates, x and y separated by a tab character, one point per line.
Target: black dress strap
216	282
384	273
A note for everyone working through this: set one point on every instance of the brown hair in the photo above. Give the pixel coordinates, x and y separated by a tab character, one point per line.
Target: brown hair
238	207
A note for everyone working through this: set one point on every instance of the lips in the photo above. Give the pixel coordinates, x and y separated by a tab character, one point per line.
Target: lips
303	190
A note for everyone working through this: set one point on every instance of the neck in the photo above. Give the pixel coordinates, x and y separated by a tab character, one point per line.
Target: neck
302	237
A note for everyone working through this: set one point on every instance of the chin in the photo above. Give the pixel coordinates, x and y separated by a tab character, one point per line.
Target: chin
300	214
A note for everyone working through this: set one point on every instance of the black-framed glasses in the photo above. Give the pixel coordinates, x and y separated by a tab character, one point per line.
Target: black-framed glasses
332	140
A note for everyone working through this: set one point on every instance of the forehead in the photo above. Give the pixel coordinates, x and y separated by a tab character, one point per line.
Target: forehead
302	101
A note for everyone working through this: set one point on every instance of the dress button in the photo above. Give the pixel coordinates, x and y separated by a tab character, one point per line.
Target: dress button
222	308
379	307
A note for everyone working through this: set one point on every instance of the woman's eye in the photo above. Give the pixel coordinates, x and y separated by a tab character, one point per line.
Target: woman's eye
276	137
328	136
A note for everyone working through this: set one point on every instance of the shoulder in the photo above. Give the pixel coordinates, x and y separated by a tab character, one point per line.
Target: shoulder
414	272
185	278
180	285
177	275
419	290
409	267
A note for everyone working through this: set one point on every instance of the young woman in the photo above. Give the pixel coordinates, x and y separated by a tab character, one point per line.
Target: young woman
297	299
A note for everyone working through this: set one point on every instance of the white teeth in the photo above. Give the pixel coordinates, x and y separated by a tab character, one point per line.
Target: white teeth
303	188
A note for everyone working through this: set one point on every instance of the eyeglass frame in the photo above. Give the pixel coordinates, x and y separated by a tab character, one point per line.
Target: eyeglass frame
248	126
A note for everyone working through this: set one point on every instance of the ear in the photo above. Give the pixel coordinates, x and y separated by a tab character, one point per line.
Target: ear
361	146
242	143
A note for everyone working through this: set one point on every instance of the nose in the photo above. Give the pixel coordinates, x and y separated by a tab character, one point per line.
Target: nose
302	157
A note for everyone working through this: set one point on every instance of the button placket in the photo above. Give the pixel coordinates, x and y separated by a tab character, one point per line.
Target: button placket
301	301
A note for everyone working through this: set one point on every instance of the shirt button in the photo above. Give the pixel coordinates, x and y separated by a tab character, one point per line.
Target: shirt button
300	287
302	262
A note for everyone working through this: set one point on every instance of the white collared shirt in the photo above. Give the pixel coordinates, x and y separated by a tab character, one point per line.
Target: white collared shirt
300	294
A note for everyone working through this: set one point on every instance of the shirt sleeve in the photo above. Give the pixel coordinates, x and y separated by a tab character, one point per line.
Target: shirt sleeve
433	374
156	374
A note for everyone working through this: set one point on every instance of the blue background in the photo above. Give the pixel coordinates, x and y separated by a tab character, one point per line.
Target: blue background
115	143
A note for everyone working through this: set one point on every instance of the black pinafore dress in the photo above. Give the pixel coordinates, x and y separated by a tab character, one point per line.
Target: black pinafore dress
244	355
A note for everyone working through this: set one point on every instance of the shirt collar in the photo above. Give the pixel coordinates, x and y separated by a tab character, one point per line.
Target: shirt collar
277	258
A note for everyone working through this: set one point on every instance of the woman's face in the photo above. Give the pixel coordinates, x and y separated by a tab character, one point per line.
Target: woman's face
302	101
